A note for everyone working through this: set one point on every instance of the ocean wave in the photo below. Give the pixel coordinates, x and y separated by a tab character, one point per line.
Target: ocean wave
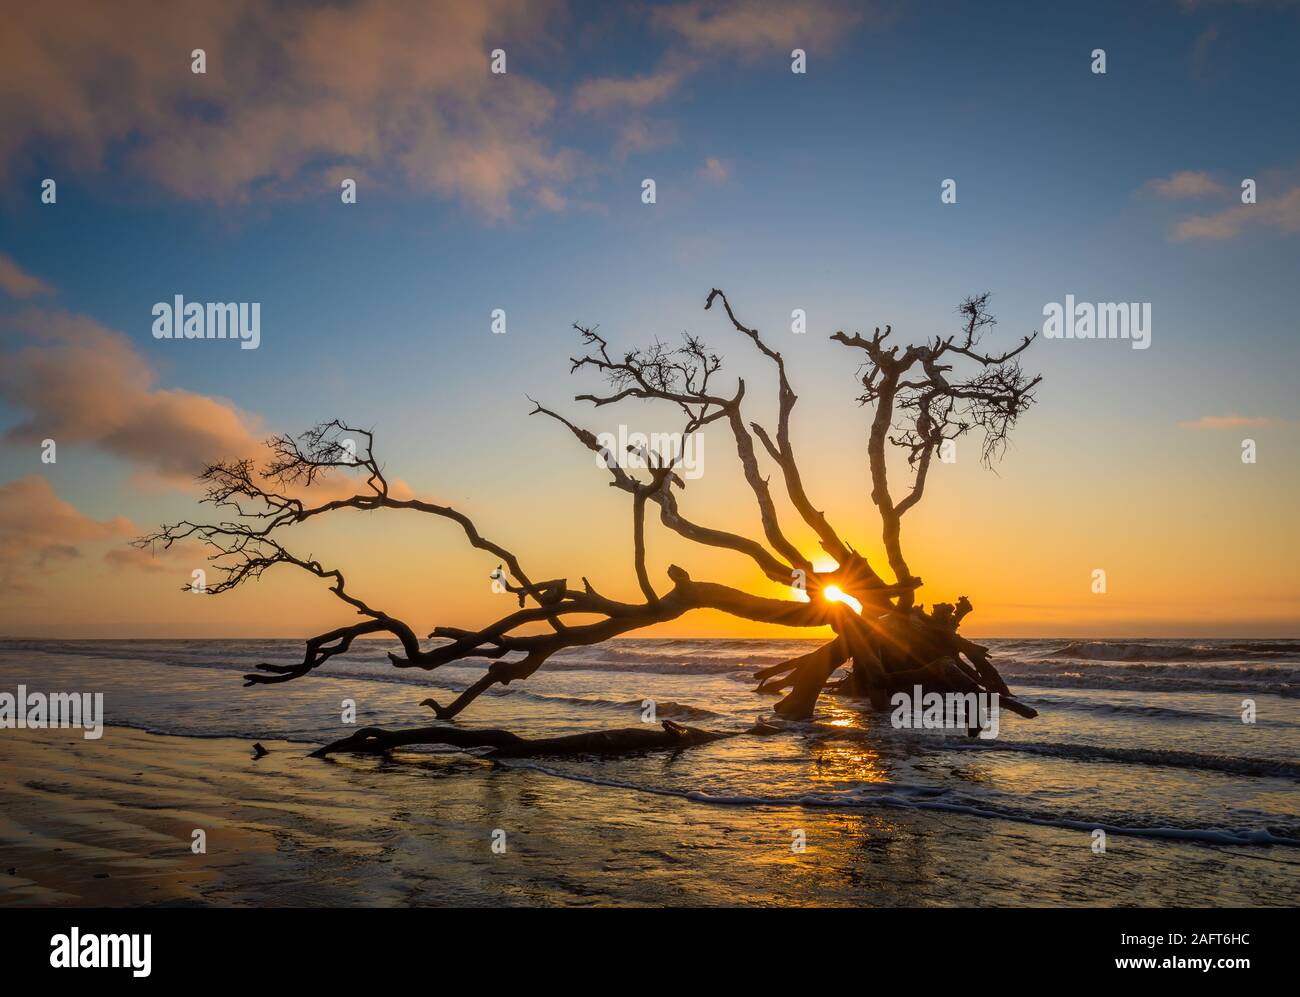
662	708
1146	710
246	655
1205	761
1251	660
1260	767
1228	650
1158	676
637	663
929	798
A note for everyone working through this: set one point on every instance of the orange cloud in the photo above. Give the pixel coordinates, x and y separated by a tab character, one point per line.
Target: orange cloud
757	28
749	29
1281	213
715	169
712	30
39	529
80	383
17	283
638	134
156	559
1231	422
297	97
294	97
638	91
1183	184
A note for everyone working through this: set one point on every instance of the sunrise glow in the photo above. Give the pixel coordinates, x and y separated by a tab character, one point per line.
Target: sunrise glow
833	594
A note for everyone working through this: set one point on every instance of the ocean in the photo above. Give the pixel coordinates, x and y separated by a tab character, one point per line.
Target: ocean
1135	737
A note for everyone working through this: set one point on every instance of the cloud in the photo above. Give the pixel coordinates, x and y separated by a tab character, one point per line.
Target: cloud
1282	213
40	532
1212	422
157	559
294	98
753	29
1277	211
17	283
550	200
1184	184
38	529
297	97
715	169
608	93
56	552
79	383
640	135
1201	50
709	30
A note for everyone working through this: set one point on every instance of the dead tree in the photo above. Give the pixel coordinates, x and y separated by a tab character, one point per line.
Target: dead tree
920	404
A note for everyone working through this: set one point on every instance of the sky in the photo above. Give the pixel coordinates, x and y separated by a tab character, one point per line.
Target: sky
523	191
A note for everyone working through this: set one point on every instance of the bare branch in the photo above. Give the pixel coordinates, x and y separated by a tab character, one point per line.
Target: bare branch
920	404
917	395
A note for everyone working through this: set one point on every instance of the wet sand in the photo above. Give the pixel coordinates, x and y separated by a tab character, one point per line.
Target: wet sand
109	822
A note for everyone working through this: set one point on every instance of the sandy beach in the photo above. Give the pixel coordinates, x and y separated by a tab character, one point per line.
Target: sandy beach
85	826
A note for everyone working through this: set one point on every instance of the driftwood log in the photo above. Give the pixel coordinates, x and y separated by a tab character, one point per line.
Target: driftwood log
503	744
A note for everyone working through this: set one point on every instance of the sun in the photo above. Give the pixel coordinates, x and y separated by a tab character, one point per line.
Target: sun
834	594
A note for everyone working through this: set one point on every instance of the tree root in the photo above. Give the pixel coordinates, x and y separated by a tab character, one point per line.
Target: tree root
890	654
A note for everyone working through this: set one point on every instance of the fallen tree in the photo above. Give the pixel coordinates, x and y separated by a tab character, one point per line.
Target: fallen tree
893	644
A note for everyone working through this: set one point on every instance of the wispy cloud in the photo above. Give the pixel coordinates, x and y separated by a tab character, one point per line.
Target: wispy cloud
1201	50
607	93
157	559
706	33
1212	422
715	169
756	28
17	282
1277	204
1281	213
640	134
1184	184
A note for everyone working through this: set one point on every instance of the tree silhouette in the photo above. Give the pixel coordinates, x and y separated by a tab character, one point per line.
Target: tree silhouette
919	401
